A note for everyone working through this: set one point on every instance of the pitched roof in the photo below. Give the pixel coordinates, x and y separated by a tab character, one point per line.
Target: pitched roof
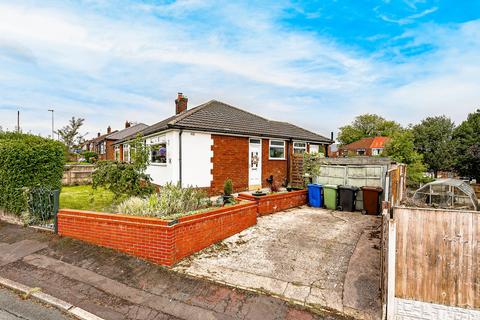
127	132
367	143
216	116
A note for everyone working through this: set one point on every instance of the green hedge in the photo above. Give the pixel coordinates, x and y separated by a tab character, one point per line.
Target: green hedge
27	161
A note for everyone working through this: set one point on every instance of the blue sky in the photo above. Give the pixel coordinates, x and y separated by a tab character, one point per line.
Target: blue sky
314	63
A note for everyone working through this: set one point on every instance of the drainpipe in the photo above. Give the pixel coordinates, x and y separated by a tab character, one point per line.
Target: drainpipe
180	157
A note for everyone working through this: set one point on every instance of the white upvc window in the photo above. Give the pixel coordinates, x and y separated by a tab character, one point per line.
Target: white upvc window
126	153
377	151
158	153
277	150
299	147
102	148
361	152
117	153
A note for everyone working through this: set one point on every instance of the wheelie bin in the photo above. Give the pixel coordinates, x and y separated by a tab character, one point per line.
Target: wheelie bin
346	198
330	196
371	200
315	195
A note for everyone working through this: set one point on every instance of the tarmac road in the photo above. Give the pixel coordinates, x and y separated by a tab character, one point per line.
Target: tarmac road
13	307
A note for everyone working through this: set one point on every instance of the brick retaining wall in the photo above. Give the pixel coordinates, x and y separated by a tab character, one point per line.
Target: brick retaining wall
277	202
154	239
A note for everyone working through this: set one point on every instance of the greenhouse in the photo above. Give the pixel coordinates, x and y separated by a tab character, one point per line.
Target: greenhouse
447	193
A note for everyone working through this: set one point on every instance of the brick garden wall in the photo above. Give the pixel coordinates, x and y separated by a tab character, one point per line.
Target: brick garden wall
277	202
153	239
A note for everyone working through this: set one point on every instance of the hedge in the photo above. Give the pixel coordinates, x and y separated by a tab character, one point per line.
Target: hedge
27	161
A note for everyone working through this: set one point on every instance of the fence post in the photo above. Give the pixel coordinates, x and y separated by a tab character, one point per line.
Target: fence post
56	204
392	238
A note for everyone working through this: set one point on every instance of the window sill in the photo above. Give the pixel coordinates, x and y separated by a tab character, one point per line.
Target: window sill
158	164
281	159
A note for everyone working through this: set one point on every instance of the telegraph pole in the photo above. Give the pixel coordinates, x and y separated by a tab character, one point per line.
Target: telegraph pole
53	123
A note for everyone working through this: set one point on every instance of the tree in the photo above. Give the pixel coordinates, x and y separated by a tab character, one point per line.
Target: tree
433	139
70	134
367	125
401	149
466	138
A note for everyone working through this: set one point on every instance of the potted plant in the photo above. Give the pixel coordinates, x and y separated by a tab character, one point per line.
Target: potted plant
227	190
258	193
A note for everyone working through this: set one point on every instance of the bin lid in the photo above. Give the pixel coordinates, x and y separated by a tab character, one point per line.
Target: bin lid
314	185
349	188
378	189
331	186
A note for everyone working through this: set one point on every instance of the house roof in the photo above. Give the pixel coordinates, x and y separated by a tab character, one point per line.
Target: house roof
216	116
127	132
367	143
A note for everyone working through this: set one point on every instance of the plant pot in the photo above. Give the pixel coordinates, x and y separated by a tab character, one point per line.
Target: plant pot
289	189
227	198
259	194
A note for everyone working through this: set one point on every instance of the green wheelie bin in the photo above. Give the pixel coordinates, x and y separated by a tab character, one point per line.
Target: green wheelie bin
330	196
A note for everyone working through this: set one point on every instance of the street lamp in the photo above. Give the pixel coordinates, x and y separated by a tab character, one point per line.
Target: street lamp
53	130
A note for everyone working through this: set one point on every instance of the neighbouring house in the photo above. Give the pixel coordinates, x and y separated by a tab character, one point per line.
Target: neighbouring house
371	146
214	141
103	144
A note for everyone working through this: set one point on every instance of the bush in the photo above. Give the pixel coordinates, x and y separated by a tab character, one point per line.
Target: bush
27	161
90	156
228	187
171	200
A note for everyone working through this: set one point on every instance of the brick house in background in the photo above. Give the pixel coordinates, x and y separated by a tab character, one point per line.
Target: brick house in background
371	146
212	142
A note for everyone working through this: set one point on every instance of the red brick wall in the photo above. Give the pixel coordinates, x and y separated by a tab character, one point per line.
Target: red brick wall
277	168
230	160
278	202
153	239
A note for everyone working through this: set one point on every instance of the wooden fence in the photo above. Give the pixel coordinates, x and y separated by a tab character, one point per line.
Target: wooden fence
438	258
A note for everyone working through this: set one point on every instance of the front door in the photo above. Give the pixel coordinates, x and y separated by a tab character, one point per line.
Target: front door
255	164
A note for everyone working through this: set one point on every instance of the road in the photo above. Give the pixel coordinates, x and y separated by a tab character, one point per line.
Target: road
13	307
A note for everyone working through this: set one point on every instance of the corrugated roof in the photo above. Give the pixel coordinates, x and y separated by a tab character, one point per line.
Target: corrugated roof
216	116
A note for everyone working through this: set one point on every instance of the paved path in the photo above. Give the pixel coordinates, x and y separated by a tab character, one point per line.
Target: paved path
116	286
13	307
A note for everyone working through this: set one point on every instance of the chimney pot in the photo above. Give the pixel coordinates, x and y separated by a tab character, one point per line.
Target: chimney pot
109	129
181	103
127	124
98	134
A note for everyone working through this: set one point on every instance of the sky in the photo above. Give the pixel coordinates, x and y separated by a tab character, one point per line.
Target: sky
317	64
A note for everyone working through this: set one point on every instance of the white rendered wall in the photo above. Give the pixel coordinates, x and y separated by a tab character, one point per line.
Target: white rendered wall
162	173
196	159
416	310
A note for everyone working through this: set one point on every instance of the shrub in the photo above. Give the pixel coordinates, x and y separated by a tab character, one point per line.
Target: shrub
90	156
27	161
228	187
171	200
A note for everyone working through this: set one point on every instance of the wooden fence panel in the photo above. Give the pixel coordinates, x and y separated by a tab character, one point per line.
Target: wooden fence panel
297	170
438	259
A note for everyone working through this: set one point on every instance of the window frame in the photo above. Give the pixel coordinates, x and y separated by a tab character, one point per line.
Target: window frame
126	149
304	148
275	146
116	151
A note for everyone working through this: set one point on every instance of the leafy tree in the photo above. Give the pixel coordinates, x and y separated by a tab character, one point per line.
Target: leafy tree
70	134
126	178
367	125
433	139
401	149
466	139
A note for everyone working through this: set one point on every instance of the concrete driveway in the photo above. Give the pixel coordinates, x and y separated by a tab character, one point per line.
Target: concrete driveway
325	260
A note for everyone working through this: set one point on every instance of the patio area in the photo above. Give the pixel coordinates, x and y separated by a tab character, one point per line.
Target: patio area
321	259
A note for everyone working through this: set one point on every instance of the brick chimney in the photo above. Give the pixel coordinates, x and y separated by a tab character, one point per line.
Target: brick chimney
180	103
109	130
127	124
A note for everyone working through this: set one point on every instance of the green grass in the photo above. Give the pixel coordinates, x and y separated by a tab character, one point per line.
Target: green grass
85	198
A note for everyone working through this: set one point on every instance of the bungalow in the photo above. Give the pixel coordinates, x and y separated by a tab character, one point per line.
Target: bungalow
370	146
214	141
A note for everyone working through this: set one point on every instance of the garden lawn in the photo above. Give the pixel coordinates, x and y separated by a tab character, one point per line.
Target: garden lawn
86	198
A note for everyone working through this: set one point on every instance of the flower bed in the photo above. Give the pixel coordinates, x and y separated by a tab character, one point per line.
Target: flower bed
275	202
160	241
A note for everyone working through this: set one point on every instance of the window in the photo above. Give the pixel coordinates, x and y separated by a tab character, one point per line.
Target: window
126	153
159	153
277	149
314	148
361	152
102	148
299	147
117	153
377	151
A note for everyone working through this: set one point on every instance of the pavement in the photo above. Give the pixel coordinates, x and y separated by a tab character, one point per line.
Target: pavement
317	258
112	285
14	307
